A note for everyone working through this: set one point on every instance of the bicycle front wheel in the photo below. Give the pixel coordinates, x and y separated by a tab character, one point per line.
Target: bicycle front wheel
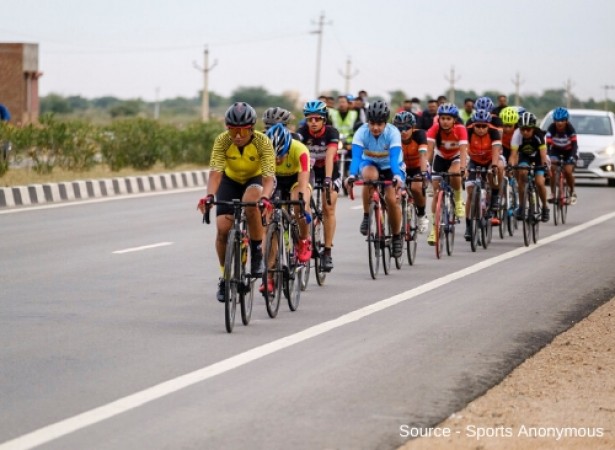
232	279
373	242
439	223
565	199
318	245
475	218
450	225
535	219
411	233
273	269
293	274
527	232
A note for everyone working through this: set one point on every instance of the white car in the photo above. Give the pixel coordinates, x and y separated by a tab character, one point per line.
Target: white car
596	139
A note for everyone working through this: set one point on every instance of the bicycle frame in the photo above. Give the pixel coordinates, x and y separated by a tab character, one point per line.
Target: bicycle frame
445	218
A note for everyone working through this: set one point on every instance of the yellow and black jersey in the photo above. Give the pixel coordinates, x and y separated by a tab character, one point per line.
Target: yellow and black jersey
295	161
241	164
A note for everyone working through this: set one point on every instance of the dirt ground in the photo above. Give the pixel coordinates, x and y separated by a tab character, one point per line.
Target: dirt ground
561	398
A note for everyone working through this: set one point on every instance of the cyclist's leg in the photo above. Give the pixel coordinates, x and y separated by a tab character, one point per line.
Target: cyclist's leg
329	218
393	203
521	183
542	193
252	193
469	190
552	181
455	167
369	172
569	165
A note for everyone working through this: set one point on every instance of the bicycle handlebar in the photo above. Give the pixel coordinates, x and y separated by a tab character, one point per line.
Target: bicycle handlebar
233	203
369	183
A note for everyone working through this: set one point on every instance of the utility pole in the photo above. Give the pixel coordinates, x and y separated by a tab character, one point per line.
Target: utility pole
348	76
205	69
568	87
517	82
452	80
321	24
157	105
606	88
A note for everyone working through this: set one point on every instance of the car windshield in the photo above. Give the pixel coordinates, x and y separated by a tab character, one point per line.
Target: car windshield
586	124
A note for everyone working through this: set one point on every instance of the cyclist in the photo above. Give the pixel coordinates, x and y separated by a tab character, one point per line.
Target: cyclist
292	177
274	115
484	147
562	140
509	117
322	142
528	147
376	153
447	145
414	147
242	167
487	104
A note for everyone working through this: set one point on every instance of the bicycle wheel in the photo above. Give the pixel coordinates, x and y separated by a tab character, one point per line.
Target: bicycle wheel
385	241
439	224
475	218
557	199
292	275
564	197
232	272
449	230
404	224
273	269
411	230
304	279
515	204
373	242
318	245
246	291
527	232
535	218
503	209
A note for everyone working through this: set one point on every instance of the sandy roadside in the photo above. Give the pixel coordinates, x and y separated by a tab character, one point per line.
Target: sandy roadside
563	397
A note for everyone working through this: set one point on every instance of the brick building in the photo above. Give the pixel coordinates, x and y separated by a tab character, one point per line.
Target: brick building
19	81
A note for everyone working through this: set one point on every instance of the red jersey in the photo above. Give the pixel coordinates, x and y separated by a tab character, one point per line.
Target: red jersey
480	148
448	142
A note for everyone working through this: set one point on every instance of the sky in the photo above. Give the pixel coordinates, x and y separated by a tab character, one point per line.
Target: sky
148	49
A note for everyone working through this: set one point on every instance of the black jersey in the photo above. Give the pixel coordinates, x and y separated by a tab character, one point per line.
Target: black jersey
317	144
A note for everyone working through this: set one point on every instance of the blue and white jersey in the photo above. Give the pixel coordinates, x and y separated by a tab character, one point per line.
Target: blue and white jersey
383	151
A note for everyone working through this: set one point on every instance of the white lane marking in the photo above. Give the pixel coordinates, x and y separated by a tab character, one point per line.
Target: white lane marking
100	200
93	416
143	247
357	207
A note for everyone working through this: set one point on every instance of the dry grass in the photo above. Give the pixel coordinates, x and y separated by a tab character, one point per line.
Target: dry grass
24	177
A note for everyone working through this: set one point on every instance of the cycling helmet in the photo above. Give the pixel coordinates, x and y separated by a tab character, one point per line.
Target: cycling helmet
509	115
481	116
448	109
378	111
560	114
317	107
404	120
240	114
280	137
527	120
484	103
274	115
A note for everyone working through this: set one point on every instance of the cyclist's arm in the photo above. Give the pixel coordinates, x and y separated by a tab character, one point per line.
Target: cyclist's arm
303	177
213	183
357	156
395	155
463	156
423	157
497	151
330	158
543	154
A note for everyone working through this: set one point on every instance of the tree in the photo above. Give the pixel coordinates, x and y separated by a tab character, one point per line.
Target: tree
54	103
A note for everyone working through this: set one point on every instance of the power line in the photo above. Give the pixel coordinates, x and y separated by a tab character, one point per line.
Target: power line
348	75
205	97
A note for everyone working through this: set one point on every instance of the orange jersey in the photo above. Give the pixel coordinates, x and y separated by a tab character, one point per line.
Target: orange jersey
480	148
412	150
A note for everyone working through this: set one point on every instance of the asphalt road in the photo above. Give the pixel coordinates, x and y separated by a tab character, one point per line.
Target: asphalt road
105	350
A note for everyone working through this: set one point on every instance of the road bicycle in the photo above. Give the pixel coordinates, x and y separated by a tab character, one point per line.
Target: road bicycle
379	236
410	222
509	202
562	191
480	218
318	234
238	282
281	263
445	218
530	206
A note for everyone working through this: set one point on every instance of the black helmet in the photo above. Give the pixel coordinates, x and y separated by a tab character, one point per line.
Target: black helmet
527	120
240	114
378	111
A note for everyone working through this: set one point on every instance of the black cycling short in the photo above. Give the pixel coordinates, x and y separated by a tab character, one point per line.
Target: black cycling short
443	165
285	184
230	190
317	175
472	172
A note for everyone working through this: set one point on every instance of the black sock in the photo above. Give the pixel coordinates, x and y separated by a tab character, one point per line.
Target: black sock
421	211
327	251
255	246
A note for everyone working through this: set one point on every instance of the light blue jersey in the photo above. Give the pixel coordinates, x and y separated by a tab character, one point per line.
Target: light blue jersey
383	151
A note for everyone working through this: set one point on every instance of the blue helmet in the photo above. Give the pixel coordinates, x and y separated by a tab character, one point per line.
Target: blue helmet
280	137
448	109
484	103
317	107
481	116
404	120
560	114
521	109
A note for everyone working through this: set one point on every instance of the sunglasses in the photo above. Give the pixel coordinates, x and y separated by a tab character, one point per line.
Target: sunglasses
315	119
526	129
481	126
241	131
404	128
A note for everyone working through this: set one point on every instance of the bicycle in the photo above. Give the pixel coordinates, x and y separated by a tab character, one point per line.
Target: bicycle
379	243
239	284
562	191
318	234
410	222
480	218
509	202
281	263
445	218
530	207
